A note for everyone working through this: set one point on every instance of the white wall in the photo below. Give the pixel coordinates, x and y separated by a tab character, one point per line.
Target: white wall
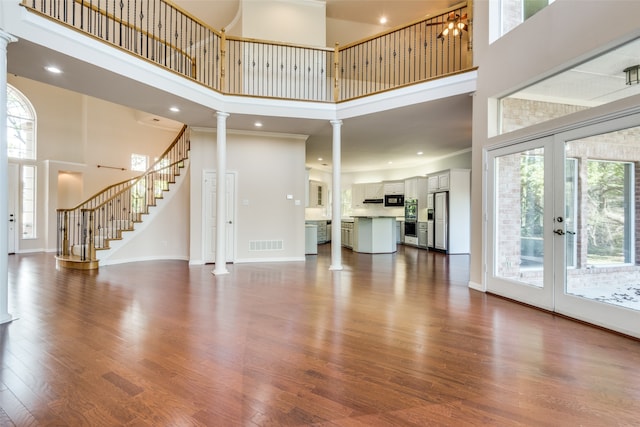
300	22
561	35
346	32
460	160
163	234
269	167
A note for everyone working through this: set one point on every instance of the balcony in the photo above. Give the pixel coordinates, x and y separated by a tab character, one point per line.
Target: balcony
161	33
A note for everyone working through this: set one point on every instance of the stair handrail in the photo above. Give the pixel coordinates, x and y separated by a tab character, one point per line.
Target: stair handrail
91	224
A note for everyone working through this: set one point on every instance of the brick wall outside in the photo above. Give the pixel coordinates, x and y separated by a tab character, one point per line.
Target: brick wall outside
623	145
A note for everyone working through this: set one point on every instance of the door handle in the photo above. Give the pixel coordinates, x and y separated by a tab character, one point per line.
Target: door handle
559	232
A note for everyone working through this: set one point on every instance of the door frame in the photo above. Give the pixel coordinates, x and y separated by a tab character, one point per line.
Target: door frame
609	316
602	314
230	220
13	207
538	296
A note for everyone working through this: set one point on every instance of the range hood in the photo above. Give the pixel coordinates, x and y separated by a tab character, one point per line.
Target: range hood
373	201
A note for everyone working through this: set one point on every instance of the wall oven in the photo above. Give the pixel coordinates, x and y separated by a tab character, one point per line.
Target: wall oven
410	218
410	229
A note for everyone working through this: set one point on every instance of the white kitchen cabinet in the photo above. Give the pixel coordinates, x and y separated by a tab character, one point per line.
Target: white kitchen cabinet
317	194
347	234
357	196
323	229
422	198
411	188
374	190
438	182
394	188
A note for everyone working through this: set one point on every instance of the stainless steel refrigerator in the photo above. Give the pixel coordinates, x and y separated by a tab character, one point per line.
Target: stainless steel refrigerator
441	221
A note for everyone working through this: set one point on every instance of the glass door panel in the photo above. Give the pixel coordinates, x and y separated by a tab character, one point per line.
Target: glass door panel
601	271
519	251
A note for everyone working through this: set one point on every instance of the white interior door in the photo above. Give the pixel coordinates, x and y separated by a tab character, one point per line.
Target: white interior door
209	223
12	207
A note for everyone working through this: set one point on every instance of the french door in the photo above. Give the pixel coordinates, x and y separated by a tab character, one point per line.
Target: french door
562	232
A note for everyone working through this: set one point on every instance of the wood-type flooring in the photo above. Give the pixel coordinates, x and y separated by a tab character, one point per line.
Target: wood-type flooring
392	340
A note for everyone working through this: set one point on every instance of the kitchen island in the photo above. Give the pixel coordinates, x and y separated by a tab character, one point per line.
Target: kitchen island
374	234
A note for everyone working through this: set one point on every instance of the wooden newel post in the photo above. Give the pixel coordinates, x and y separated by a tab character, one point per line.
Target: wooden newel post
64	250
223	54
336	78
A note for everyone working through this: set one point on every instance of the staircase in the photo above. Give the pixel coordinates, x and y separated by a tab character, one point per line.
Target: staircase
87	229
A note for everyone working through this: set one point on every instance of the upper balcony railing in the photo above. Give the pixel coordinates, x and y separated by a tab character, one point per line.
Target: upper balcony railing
163	33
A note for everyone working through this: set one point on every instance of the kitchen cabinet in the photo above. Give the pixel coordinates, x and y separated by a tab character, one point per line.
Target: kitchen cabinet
438	182
394	188
422	234
347	234
411	188
357	196
317	194
374	190
422	198
324	230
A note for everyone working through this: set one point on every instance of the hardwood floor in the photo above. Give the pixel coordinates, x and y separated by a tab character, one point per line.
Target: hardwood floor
391	340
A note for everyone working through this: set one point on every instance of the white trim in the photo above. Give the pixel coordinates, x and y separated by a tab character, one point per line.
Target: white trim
142	259
253	260
477	286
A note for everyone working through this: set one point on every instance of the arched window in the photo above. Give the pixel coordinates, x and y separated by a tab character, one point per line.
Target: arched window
21	147
21	126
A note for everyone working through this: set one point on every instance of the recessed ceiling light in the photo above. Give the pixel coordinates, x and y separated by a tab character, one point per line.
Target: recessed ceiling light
383	19
174	109
52	69
258	124
320	159
419	153
390	163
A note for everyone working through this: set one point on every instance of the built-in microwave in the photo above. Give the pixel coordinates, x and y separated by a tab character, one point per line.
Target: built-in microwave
394	200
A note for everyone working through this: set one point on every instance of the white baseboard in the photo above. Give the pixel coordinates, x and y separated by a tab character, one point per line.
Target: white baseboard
253	260
108	262
477	286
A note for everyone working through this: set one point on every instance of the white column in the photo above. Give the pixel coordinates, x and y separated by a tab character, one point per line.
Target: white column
336	212
5	317
221	196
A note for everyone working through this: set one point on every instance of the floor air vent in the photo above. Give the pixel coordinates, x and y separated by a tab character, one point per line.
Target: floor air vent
265	245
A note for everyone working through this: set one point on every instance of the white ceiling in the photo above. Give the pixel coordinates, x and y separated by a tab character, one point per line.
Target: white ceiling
591	83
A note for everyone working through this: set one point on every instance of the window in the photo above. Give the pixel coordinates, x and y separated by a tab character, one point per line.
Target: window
28	213
139	162
21	125
609	206
515	12
21	145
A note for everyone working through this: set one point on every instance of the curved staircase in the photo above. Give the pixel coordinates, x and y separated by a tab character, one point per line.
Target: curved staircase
84	230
